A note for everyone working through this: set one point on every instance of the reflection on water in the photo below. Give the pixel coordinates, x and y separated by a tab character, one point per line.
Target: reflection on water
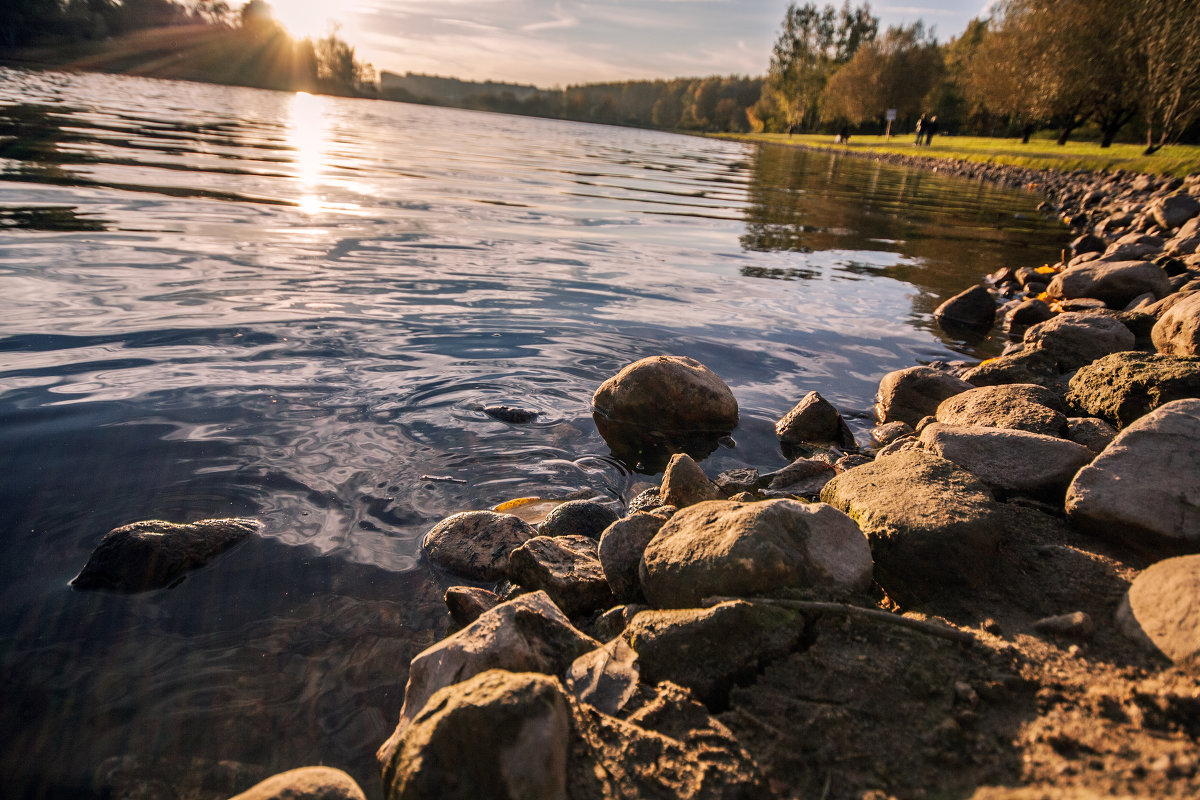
219	301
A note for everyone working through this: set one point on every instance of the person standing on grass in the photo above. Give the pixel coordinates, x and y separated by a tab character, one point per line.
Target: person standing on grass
920	129
930	129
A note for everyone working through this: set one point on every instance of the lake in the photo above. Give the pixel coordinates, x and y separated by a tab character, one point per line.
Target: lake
221	302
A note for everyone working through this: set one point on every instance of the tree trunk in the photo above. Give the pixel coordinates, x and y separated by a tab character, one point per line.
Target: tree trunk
1026	134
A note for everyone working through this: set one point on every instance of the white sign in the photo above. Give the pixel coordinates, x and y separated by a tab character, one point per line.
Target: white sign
891	115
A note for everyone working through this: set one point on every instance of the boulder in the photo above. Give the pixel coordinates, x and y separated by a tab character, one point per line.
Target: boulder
1122	387
1173	211
1087	243
496	735
1028	312
1162	609
883	435
153	554
1076	338
974	307
566	568
607	678
1177	332
804	476
621	549
513	414
579	518
476	544
671	393
907	395
1143	490
684	483
930	523
1034	366
814	419
728	548
1017	406
1114	282
742	479
1094	434
467	603
1009	461
305	783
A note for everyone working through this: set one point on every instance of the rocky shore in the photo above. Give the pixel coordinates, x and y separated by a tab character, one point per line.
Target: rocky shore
997	596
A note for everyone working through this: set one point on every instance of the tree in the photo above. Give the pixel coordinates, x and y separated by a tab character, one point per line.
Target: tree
898	71
1168	32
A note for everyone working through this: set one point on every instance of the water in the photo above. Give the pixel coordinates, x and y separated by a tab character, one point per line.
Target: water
219	301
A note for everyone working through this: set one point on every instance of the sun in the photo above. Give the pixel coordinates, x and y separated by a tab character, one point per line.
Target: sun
305	19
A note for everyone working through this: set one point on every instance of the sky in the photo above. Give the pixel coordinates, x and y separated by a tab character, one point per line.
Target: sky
561	42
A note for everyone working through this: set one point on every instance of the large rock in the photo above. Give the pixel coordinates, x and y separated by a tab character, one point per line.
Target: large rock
579	518
496	735
1114	282
684	483
672	393
621	549
1075	338
974	307
907	395
1017	406
1173	211
1177	332
467	603
1033	366
153	554
814	419
305	783
1162	609
930	523
1122	387
1094	434
476	544
728	548
566	568
1009	461
1143	489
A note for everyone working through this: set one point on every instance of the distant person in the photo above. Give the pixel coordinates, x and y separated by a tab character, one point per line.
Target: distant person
931	128
843	135
920	129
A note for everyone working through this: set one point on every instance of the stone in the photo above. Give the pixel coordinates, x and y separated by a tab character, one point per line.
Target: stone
907	395
1087	243
1010	461
513	414
498	734
930	523
708	649
1094	434
621	549
1026	313
1173	211
607	677
1076	338
974	307
733	481
1034	366
1017	406
1113	282
1122	387
476	544
646	501
802	477
305	783
814	419
684	483
1177	332
883	435
154	554
467	603
1162	609
579	518
1143	489
727	548
672	393
1076	625
566	568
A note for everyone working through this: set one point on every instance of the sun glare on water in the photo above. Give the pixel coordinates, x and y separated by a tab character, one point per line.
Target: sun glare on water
305	19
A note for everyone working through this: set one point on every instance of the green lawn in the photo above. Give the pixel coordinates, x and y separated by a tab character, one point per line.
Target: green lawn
1039	153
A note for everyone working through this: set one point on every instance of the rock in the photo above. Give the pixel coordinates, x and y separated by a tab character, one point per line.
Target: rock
1113	282
613	621
1122	387
1087	243
802	477
1094	434
579	518
566	568
974	307
1143	489
495	735
1130	251
684	483
1017	406
1082	304
1162	609
305	783
1010	461
814	419
672	393
1034	366
467	603
1177	332
606	678
727	548
907	395
153	554
733	481
903	444
1173	211
1026	313
930	523
883	435
1076	338
476	544
526	634
646	501
708	649
518	416
1076	625
621	549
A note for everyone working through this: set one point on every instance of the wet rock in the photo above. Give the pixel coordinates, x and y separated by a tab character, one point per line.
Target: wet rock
1034	366
883	435
1162	609
621	549
684	483
1028	312
1076	338
305	783
1076	625
734	481
974	307
708	649
153	554
578	518
467	603
476	544
1122	387
1113	282
1177	332
1142	489
1017	406
803	476
907	395
1173	211
814	419
607	677
1094	434
513	414
566	568
727	548
930	523
497	734
671	393
1009	461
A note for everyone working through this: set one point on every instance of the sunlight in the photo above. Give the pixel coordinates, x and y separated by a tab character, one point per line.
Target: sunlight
308	134
305	19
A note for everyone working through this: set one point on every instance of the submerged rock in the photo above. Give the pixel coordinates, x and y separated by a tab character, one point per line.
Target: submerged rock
513	414
974	307
907	395
305	783
476	544
1122	387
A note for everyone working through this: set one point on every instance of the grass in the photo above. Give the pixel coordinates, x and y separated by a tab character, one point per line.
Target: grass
1178	160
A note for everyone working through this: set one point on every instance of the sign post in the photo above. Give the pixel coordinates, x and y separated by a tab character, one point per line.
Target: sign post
891	117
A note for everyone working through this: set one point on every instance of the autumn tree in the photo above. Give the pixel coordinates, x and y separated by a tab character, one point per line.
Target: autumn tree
897	71
1168	32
